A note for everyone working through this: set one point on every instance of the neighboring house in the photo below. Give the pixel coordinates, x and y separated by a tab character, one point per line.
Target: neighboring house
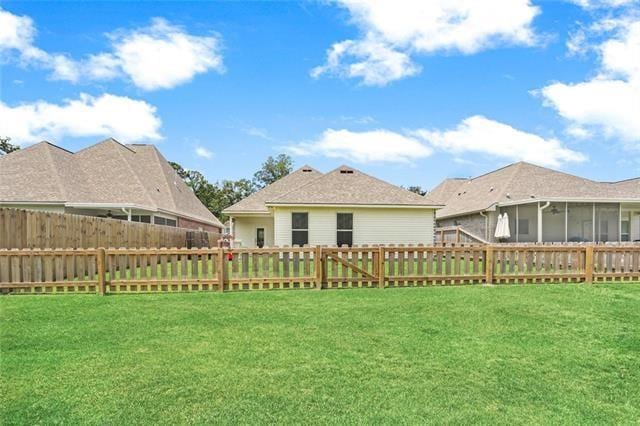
342	207
543	205
108	179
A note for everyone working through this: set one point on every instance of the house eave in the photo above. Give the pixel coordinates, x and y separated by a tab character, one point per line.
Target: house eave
351	205
569	200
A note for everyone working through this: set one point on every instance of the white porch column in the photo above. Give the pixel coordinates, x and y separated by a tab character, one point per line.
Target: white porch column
566	222
540	208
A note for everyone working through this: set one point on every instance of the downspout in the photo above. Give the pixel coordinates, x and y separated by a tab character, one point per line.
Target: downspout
540	208
486	225
128	213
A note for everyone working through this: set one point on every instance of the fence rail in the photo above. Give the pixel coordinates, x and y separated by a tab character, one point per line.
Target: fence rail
120	270
31	229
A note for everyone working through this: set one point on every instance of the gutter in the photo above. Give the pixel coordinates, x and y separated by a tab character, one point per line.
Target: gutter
384	206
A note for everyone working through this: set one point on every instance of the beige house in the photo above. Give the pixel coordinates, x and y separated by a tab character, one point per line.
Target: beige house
342	207
108	179
543	205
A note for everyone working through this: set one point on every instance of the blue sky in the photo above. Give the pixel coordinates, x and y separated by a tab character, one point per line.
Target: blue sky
412	92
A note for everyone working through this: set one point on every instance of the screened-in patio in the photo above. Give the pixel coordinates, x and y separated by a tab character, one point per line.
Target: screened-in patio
573	222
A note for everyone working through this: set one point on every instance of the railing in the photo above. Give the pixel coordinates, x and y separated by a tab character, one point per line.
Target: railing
457	234
218	269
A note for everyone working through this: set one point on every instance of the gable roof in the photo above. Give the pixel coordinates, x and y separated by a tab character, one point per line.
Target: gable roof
523	182
342	186
445	189
255	203
348	186
107	172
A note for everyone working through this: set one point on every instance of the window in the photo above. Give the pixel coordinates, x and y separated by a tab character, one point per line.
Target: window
299	229
134	218
345	229
164	221
523	226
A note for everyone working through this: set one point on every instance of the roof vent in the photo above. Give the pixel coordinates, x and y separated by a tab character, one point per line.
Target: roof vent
306	170
346	172
491	189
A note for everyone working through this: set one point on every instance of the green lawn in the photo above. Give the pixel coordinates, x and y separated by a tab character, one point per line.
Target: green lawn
511	354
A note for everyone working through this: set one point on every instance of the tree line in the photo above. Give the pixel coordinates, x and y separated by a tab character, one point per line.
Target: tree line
219	195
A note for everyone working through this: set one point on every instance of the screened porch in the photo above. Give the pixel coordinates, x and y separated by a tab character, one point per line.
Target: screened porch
573	222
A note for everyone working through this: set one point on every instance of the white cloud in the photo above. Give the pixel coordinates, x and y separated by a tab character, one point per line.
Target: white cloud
257	132
394	29
124	118
203	152
17	33
481	135
159	56
593	4
376	63
364	147
610	102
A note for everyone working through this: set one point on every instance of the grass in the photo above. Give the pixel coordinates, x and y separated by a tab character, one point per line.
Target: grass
512	354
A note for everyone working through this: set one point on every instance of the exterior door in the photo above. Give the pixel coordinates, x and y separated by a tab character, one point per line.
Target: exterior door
260	237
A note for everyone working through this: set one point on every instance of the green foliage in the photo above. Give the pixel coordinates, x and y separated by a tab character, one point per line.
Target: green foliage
222	194
417	189
272	170
6	147
538	354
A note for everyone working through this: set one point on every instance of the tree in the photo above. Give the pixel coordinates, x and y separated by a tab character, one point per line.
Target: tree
6	147
227	193
215	196
272	170
179	170
417	189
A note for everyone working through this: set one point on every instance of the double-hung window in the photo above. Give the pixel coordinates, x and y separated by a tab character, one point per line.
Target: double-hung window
345	229
299	229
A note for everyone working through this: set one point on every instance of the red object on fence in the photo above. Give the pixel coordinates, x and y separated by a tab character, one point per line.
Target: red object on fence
229	256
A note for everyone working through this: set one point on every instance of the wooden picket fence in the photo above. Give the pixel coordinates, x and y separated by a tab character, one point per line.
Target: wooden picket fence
119	270
34	229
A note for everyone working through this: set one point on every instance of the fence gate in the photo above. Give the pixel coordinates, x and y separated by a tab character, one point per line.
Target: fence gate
351	267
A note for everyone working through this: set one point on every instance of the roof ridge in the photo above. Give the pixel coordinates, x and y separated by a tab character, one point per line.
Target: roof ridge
56	172
516	170
133	172
301	186
158	155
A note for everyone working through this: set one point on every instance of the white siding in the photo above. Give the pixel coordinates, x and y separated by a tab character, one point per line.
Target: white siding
245	230
370	225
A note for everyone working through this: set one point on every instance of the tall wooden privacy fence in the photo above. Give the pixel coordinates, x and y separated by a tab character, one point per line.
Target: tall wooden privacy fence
218	269
33	229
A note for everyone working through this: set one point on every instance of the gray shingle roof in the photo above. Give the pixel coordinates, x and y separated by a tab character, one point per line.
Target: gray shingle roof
521	182
107	172
346	185
343	186
255	203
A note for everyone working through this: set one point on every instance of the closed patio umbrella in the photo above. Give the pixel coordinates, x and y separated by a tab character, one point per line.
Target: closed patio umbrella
498	233
506	232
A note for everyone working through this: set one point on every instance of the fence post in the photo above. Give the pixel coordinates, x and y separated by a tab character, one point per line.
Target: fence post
381	267
220	269
488	264
588	264
102	274
317	265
